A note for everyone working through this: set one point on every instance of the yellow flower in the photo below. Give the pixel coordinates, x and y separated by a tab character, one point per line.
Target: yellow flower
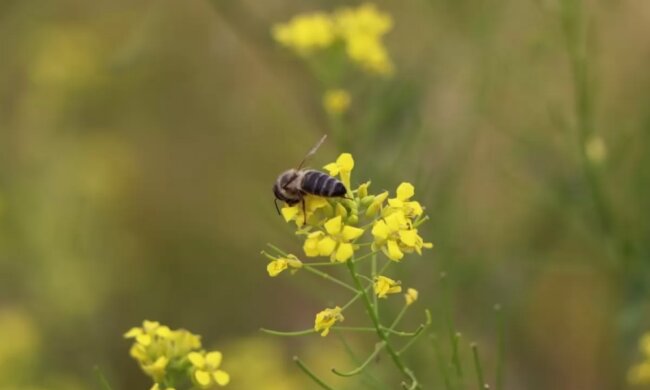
336	242
394	235
384	286
411	296
364	20
639	374
156	370
644	344
405	191
275	267
306	33
336	101
156	386
362	29
342	167
596	149
206	372
316	208
326	319
156	346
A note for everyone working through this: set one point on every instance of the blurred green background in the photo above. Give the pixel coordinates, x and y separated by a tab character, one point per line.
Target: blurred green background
139	141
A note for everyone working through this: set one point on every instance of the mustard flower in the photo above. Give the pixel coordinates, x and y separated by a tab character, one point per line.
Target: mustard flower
156	346
596	149
326	319
205	369
395	235
156	386
411	296
384	286
376	204
276	266
640	373
405	192
336	101
316	208
343	168
362	29
306	33
334	242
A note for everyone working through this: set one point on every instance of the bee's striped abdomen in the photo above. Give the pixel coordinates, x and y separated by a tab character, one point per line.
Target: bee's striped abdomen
322	184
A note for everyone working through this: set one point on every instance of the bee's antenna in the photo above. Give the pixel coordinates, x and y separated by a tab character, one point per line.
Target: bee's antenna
312	151
275	202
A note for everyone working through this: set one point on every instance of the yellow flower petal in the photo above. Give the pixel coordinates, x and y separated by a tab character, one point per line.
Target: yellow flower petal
350	233
290	212
133	332
275	267
405	191
196	359
393	251
221	377
341	210
380	230
409	237
143	339
164	332
326	246
345	162
411	296
203	378
344	252
333	226
332	169
362	191
213	359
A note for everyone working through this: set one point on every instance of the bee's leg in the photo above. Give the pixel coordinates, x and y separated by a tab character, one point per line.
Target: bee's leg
304	212
275	202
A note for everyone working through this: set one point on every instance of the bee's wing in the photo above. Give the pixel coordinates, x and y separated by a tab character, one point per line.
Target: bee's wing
312	151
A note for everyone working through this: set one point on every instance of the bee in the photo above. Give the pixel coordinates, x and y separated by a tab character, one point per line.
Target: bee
292	185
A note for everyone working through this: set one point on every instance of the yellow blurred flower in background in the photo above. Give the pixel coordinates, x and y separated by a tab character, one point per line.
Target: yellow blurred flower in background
336	101
305	33
640	373
411	296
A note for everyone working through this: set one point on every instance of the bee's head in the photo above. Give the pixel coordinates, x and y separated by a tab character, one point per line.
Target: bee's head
280	186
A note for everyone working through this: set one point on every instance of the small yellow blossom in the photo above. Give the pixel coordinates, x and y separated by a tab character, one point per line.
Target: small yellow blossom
362	29
405	192
342	167
384	286
395	235
156	346
205	369
156	386
336	101
326	319
306	33
334	242
411	296
640	373
316	208
596	149
276	266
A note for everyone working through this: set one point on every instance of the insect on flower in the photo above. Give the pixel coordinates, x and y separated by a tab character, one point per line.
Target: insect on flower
292	185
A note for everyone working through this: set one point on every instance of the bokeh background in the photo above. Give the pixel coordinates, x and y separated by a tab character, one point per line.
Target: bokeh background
139	141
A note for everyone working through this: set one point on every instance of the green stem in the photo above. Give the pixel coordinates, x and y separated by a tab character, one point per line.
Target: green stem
479	370
289	334
328	277
310	374
378	348
101	378
441	362
373	275
453	336
378	328
418	332
501	346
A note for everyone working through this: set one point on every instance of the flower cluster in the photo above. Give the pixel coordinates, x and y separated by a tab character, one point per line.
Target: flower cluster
338	229
640	373
174	358
360	30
